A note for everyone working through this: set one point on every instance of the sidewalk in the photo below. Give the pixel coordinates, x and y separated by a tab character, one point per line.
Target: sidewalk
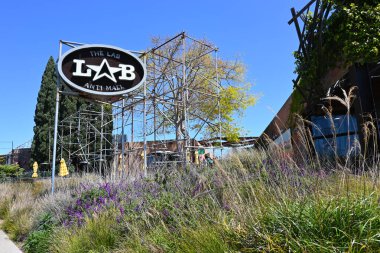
6	245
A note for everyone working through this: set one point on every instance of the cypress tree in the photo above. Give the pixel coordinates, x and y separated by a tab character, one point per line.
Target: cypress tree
67	106
44	115
42	145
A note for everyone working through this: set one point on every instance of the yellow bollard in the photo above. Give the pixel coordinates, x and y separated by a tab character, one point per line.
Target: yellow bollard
196	157
35	168
142	159
63	168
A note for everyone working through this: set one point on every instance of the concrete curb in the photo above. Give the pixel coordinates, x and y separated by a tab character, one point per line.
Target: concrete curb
6	245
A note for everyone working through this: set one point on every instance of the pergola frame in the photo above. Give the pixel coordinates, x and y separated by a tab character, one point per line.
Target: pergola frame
306	36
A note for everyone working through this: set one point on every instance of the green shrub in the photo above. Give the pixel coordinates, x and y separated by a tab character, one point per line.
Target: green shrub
3	159
13	170
39	240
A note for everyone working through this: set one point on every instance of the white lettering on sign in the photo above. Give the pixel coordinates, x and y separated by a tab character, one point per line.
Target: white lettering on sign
127	72
78	68
104	69
97	53
93	87
114	88
113	55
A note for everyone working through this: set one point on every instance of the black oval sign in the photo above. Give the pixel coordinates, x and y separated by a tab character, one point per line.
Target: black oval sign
101	70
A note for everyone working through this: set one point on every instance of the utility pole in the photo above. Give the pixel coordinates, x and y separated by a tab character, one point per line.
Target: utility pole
12	154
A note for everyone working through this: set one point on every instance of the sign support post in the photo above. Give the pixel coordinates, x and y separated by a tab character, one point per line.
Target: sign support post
55	137
144	119
56	123
122	141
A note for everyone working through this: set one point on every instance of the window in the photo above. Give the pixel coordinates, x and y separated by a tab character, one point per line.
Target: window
345	131
284	140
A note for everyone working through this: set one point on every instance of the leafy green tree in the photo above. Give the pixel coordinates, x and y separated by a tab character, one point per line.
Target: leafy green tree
68	105
354	27
196	87
44	115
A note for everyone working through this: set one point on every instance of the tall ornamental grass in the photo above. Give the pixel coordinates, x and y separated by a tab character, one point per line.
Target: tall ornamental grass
251	201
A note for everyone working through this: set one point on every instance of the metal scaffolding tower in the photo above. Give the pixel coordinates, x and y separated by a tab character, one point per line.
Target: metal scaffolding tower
165	114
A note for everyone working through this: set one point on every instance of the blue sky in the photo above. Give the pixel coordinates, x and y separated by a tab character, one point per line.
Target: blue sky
254	31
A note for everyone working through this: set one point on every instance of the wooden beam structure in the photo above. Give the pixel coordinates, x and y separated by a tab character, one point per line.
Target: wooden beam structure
307	32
